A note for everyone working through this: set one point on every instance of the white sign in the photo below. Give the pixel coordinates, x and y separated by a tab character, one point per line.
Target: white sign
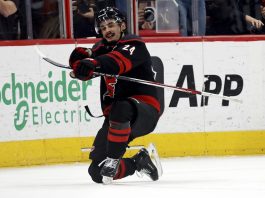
40	101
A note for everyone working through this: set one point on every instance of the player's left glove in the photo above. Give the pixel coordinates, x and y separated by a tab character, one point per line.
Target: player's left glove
83	69
79	53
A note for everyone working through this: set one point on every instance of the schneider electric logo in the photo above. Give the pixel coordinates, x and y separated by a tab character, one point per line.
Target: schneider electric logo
37	103
21	115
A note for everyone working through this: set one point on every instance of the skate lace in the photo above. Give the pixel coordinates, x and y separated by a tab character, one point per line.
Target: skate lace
109	162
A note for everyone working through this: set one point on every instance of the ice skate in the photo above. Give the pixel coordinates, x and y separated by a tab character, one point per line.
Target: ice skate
109	169
145	165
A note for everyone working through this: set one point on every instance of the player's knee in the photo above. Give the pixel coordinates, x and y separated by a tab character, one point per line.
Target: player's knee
122	111
94	172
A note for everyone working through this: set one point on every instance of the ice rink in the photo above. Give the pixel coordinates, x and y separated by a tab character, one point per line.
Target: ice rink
190	177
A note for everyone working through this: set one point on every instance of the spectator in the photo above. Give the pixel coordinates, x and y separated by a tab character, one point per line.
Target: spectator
43	21
251	12
221	17
262	8
23	34
9	19
100	4
192	17
83	18
162	16
262	11
146	19
122	5
83	15
230	17
49	26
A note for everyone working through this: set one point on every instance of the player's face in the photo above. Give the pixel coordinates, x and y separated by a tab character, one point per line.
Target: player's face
111	30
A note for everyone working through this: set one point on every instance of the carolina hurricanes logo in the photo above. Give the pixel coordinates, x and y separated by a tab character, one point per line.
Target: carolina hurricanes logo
110	83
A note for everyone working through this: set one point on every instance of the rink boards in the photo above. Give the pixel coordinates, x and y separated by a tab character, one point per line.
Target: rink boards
43	120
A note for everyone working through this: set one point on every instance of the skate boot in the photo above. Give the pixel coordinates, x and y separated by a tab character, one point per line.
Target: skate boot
109	169
145	165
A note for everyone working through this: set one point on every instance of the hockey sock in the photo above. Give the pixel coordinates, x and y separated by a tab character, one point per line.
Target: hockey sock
118	136
127	167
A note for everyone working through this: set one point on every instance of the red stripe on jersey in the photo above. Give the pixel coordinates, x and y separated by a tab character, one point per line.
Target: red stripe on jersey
131	40
122	170
118	61
99	46
127	62
106	110
119	139
148	100
120	131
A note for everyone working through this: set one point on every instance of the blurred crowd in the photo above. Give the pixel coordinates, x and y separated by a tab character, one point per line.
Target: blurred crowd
235	17
36	19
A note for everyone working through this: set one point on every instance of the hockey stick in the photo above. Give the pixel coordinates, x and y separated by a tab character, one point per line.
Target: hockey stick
146	82
51	61
157	84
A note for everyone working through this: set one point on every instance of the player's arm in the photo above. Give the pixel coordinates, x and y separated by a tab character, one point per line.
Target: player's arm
123	58
118	61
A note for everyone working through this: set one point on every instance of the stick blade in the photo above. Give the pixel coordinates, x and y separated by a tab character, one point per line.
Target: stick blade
39	52
50	60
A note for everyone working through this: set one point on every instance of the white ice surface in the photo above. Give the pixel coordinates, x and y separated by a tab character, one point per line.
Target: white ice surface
189	177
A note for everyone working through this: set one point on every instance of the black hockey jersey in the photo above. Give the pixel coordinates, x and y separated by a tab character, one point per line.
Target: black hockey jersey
127	57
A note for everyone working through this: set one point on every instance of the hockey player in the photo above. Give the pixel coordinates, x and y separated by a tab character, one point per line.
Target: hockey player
131	109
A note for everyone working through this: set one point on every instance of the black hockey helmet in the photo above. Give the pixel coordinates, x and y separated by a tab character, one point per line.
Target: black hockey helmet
108	13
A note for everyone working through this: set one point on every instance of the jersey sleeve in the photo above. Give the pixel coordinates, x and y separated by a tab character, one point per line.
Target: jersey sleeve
127	55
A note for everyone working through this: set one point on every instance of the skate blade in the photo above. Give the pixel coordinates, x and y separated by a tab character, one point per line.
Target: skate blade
155	158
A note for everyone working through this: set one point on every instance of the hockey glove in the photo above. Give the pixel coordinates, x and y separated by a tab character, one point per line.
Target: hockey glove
83	69
79	53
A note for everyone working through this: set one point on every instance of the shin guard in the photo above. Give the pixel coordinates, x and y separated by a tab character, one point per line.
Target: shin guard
118	136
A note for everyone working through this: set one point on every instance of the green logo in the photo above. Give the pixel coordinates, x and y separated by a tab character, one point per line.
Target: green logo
21	115
30	98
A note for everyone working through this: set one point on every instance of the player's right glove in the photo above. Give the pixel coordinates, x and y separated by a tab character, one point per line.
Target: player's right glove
83	69
79	53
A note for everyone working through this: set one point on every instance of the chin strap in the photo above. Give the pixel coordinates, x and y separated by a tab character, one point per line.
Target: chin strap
122	35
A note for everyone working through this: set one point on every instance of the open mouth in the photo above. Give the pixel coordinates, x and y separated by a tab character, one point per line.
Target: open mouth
110	35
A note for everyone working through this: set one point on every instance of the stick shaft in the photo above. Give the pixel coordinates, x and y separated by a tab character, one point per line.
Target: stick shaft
157	84
146	82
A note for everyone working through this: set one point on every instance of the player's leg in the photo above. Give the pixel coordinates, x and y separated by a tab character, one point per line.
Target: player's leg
121	115
145	123
103	148
98	152
124	114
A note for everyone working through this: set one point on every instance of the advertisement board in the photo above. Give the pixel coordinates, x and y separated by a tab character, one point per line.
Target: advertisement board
39	101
